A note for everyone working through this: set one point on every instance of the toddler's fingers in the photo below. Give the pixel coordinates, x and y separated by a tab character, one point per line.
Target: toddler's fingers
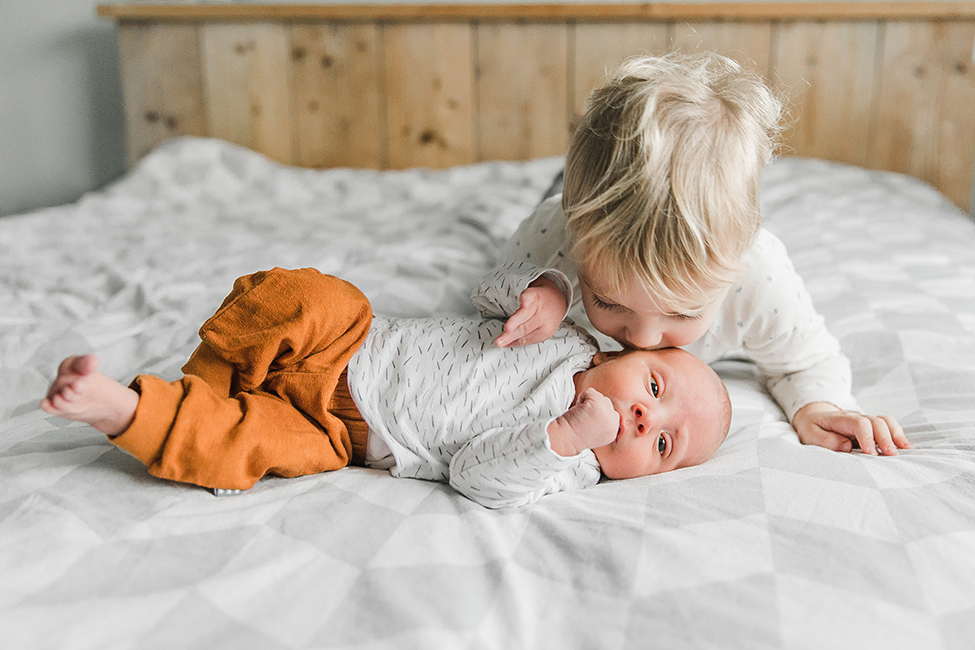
882	436
525	335
515	329
859	426
829	440
863	430
897	433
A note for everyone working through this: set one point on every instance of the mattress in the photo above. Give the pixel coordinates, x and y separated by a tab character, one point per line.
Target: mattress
770	544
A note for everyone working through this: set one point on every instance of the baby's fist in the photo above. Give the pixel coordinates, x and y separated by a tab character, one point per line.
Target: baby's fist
591	422
594	417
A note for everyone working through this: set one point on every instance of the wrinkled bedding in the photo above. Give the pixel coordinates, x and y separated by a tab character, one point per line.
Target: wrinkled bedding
769	545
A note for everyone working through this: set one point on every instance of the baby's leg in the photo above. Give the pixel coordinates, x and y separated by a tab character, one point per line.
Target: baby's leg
83	394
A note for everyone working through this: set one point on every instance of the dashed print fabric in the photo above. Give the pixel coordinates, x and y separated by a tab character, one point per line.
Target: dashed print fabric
451	406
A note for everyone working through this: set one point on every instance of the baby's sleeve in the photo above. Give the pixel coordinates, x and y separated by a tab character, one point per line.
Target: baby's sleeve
507	468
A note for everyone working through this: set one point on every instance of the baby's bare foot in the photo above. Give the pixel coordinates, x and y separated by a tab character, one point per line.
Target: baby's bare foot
83	394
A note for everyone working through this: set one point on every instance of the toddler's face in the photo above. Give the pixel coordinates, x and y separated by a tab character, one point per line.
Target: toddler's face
673	410
635	321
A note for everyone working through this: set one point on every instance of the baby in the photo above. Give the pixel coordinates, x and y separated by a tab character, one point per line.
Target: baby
294	376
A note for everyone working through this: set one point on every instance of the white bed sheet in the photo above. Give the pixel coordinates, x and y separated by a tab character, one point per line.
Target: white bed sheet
768	545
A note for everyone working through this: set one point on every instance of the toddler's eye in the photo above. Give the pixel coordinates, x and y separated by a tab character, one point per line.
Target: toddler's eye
661	444
653	387
608	306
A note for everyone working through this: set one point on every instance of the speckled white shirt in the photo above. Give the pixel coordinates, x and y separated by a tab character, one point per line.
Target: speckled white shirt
767	318
443	403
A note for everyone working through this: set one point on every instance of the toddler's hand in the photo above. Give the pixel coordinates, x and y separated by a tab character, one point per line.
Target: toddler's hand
825	425
591	422
541	310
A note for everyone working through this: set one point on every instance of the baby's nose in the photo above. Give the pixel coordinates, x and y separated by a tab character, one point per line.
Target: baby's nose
641	419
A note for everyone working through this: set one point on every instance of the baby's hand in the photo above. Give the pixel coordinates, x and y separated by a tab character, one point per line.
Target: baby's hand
541	310
825	425
591	422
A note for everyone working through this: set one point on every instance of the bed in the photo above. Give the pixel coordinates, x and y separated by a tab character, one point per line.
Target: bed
770	544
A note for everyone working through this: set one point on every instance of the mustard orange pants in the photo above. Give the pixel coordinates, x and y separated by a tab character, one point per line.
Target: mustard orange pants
265	392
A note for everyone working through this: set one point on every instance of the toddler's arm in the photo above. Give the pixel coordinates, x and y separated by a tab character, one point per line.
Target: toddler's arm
779	329
826	425
591	422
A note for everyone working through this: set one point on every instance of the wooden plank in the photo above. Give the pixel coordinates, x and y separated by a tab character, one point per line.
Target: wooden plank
161	84
522	91
748	43
429	74
600	48
247	78
927	95
827	72
337	95
843	10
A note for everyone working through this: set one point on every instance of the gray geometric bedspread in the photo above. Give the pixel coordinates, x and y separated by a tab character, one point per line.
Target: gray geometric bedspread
769	545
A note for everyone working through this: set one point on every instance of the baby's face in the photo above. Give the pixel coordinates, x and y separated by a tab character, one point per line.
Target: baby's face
634	319
674	410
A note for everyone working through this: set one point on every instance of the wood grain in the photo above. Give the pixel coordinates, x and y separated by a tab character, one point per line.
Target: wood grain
248	86
338	95
883	85
429	72
522	90
161	84
601	47
748	43
833	115
196	12
927	105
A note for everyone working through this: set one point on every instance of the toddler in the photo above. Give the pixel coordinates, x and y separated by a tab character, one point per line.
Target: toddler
659	229
294	376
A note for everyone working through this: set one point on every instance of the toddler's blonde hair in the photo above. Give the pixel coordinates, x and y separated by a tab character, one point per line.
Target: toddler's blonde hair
663	175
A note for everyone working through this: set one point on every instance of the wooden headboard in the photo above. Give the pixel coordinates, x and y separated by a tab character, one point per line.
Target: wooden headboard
885	85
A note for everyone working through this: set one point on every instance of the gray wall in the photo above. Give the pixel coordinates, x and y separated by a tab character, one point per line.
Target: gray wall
62	127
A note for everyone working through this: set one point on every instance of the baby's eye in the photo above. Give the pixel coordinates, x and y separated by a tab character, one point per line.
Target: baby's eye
653	387
661	444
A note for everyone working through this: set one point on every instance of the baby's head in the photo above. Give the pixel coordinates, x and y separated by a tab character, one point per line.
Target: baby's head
674	410
663	173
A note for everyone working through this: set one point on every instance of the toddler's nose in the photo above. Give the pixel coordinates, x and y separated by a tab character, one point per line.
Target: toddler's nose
644	338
